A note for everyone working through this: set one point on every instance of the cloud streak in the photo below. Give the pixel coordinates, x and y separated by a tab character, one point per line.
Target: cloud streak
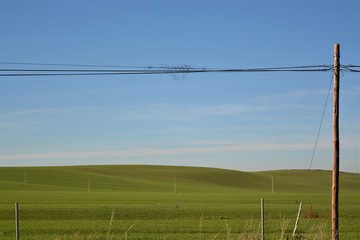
205	147
255	107
157	152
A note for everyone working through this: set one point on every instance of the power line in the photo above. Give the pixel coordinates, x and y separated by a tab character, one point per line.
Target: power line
8	72
127	66
150	70
350	68
69	65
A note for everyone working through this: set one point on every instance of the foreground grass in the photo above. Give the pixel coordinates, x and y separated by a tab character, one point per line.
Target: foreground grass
175	216
138	202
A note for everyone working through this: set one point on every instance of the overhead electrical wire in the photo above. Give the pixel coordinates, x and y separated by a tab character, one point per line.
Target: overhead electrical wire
68	65
95	70
16	72
350	68
123	66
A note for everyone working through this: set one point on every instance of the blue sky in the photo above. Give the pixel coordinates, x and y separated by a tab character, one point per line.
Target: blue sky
243	121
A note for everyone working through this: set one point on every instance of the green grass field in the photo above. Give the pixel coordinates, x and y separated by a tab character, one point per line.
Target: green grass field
139	202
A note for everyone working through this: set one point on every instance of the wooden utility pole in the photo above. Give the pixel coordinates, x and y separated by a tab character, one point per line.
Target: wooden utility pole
336	147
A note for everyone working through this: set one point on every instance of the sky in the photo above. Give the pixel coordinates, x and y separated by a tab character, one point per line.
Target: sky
241	121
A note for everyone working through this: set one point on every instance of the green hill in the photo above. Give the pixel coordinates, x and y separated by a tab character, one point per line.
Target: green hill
143	178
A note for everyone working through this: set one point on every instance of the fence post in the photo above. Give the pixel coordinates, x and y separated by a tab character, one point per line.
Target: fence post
262	220
17	221
297	219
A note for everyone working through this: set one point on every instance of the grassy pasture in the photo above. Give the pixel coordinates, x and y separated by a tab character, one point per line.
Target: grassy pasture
138	202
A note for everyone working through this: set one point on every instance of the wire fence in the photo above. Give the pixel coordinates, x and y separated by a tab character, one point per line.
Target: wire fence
223	220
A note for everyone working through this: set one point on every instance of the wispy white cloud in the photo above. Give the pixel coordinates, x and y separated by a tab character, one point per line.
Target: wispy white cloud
181	112
156	152
155	111
42	112
201	147
186	112
291	99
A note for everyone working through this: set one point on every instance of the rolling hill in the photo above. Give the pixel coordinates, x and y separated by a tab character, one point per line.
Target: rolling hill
146	178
